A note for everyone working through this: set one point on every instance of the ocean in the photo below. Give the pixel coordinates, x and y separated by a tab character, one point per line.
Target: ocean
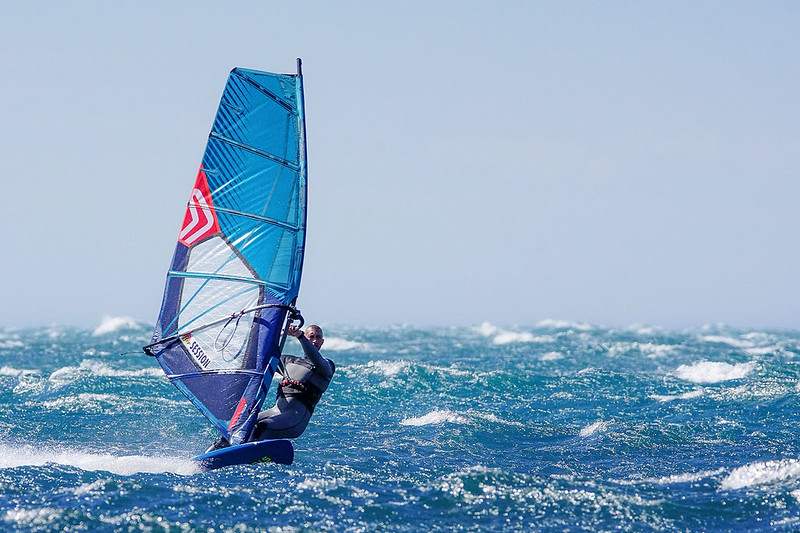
550	427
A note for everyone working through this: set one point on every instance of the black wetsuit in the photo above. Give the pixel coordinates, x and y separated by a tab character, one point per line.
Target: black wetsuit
304	379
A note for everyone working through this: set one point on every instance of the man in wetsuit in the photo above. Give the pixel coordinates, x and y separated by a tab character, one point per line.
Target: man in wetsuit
304	381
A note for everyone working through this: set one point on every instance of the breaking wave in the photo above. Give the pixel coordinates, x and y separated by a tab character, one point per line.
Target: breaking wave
596	427
551	356
648	349
730	341
337	344
761	473
15	372
673	479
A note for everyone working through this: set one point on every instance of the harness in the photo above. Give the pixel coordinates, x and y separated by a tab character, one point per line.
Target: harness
305	392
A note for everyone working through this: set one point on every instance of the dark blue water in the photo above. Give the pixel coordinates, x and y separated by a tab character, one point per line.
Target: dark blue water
549	427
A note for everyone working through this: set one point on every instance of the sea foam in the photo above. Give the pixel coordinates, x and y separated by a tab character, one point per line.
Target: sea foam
649	349
26	455
503	336
713	371
688	477
435	417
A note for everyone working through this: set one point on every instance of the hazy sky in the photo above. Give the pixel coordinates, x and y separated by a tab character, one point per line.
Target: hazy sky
611	162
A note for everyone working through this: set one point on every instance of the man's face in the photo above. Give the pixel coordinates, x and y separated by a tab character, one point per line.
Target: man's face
315	337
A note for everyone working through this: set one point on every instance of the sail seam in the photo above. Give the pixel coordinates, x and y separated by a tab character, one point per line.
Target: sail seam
266	92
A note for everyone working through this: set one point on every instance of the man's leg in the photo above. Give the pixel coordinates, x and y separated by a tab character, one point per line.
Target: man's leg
276	425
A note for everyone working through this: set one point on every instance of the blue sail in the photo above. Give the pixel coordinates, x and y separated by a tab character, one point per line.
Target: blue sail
239	256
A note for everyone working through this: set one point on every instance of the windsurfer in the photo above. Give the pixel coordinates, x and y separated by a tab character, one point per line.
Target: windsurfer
304	381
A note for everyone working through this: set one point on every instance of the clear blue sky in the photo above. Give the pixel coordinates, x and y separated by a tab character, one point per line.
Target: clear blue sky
611	162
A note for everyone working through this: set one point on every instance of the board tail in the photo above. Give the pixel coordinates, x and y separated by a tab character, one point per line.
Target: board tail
280	451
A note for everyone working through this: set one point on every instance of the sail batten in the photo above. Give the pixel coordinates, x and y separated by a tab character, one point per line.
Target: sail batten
254	216
253	149
237	263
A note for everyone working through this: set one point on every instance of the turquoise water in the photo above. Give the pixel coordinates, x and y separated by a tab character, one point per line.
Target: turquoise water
549	427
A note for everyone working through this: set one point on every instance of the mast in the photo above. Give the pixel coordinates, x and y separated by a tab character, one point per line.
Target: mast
301	110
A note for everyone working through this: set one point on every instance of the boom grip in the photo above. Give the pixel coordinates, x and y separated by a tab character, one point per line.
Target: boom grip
296	315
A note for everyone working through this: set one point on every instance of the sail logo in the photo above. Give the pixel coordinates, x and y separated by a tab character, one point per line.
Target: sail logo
195	350
199	221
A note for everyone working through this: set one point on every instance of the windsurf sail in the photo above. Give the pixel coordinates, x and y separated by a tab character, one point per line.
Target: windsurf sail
235	274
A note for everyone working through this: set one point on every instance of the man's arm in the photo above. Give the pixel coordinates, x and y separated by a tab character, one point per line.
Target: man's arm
312	354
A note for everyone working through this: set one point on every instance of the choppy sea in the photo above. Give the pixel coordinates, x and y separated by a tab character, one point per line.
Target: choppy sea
550	426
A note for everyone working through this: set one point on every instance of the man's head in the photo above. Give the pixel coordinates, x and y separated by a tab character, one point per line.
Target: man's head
314	334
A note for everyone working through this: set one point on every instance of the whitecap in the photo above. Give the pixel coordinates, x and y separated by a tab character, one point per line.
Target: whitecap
385	368
713	371
491	417
110	324
641	329
593	428
10	344
683	396
83	401
26	455
563	324
87	488
99	368
718	339
551	356
764	350
435	417
761	473
68	374
337	344
393	368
